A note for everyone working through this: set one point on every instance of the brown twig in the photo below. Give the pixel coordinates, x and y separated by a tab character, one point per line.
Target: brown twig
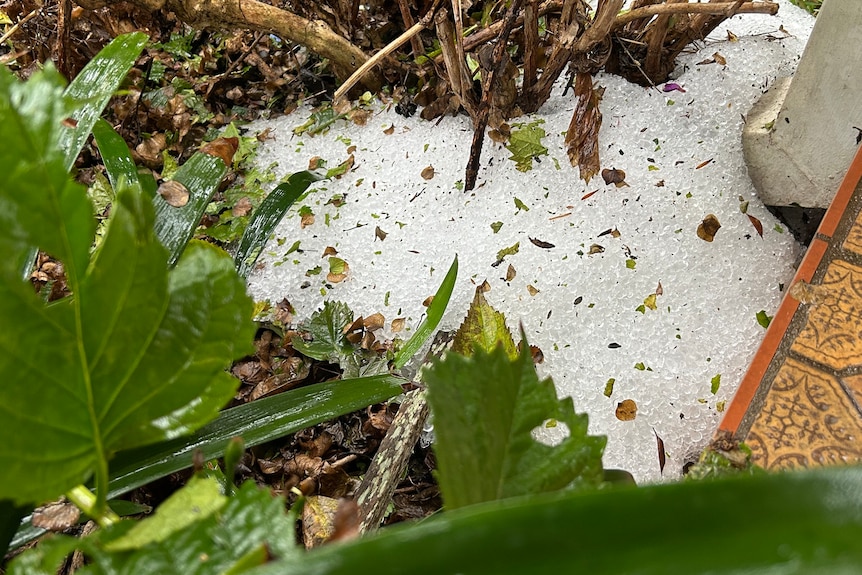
719	8
485	105
531	42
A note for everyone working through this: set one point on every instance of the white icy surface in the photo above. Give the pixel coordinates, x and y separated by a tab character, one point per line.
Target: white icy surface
705	323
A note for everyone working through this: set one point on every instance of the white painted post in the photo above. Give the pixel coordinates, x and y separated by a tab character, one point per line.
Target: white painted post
800	137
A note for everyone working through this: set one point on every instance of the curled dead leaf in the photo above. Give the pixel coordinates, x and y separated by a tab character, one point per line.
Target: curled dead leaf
174	193
707	229
398	324
374	321
596	249
329	251
315	162
615	177
242	207
379	234
510	273
533	291
756	223
222	148
662	456
541	244
428	301
428	173
626	410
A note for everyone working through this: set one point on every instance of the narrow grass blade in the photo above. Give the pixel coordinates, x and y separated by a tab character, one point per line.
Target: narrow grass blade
267	216
432	320
256	422
119	165
93	87
201	175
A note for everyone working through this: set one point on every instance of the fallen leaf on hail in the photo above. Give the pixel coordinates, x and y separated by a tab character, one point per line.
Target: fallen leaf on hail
707	229
379	234
541	244
731	37
398	324
338	270
756	223
428	301
428	173
615	177
222	148
329	251
533	291
484	287
315	162
627	410
719	59
174	193
659	290
374	321
306	219
596	249
703	164
510	273
662	456
390	130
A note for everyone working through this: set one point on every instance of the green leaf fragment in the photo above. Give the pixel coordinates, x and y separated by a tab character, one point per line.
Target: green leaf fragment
510	251
609	387
630	263
650	301
496	226
485	408
715	383
763	319
521	205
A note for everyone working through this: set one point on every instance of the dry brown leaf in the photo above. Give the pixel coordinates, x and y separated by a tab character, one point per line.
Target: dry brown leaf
582	137
428	301
662	456
510	273
222	148
428	173
533	291
241	208
55	516
379	234
626	410
540	244
719	59
756	223
596	249
318	520
315	162
398	324
306	220
390	130
374	321
174	193
707	229
329	251
615	177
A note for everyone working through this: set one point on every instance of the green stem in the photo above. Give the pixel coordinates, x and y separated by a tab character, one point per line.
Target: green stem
87	502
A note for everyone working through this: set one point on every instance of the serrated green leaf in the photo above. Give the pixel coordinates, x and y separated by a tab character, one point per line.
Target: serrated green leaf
326	329
525	143
484	328
485	408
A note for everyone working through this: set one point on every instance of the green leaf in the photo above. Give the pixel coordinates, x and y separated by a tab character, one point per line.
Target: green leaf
525	144
326	329
196	532
763	319
267	216
201	175
609	387
94	86
432	319
485	408
137	356
484	328
793	523
200	498
715	383
119	164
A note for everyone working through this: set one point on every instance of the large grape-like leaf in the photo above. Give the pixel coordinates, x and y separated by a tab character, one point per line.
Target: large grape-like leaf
136	355
485	408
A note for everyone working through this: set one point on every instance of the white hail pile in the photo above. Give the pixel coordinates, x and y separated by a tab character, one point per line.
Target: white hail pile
682	157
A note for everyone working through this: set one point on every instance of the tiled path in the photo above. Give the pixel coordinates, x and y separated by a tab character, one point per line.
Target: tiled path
799	404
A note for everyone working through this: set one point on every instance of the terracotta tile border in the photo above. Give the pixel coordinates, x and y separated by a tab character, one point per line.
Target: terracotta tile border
748	388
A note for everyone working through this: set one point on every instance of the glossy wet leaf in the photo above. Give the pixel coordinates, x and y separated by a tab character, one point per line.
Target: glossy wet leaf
432	317
326	329
485	408
94	86
484	328
794	523
200	177
218	535
763	319
119	165
582	137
